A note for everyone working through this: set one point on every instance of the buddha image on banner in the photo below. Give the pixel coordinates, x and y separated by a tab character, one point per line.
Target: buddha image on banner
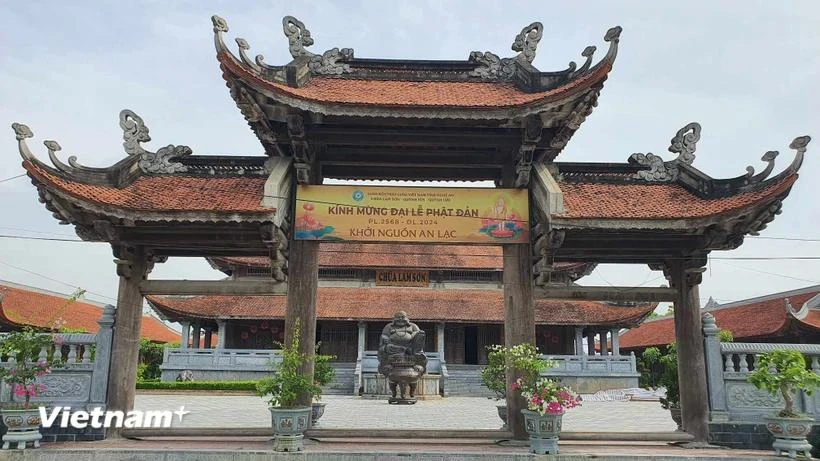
411	214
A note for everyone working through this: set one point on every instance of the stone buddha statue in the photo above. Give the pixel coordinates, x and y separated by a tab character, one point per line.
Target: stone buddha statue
401	357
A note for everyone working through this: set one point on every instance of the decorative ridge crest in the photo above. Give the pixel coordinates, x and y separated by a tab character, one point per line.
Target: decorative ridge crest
134	133
493	67
331	62
683	143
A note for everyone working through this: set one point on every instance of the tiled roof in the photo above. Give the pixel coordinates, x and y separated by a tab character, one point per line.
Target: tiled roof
26	306
747	322
167	193
456	305
403	93
416	256
587	200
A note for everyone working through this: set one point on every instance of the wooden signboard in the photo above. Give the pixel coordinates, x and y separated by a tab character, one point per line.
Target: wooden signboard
402	278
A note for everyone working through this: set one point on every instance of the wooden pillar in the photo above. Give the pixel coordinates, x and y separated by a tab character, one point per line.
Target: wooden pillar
196	337
591	343
694	397
604	346
303	279
208	334
186	334
519	321
132	266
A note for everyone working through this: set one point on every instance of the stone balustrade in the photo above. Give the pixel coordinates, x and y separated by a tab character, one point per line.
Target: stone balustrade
80	376
731	397
219	364
587	374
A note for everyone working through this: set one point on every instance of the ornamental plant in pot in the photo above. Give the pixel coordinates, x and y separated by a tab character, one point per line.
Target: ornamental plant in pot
523	358
323	374
283	391
784	372
21	364
547	401
669	380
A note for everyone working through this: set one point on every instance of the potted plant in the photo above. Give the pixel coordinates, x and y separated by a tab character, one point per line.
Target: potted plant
283	391
669	380
784	372
323	373
547	401
22	363
523	358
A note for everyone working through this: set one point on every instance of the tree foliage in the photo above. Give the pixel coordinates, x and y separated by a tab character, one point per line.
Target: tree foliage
522	358
287	385
784	371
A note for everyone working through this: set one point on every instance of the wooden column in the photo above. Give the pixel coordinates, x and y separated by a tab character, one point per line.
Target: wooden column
208	334
195	342
694	397
519	321
132	266
303	279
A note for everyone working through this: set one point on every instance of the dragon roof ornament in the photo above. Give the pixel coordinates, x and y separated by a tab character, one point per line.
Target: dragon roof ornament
331	62
493	67
684	144
134	134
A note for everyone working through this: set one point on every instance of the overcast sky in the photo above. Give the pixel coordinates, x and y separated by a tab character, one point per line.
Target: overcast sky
747	71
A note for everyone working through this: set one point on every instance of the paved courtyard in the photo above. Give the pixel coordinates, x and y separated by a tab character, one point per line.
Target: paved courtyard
349	412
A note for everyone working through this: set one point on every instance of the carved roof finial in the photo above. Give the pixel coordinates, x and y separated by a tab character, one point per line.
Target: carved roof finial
527	40
23	132
134	132
685	142
298	36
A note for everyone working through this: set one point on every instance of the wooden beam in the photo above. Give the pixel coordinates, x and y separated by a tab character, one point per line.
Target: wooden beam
643	294
214	287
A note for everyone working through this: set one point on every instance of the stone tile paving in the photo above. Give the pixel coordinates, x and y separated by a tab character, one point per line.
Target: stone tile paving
349	412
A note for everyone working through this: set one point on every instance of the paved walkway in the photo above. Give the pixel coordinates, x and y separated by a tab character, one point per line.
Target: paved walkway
348	412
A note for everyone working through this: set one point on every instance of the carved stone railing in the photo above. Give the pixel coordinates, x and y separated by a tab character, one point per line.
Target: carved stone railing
591	365
731	397
80	377
216	364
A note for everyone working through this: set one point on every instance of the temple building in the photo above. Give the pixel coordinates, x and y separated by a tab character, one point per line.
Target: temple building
452	292
789	317
485	118
24	306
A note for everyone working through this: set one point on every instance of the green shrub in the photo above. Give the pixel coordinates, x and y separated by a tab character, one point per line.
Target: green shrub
199	385
784	371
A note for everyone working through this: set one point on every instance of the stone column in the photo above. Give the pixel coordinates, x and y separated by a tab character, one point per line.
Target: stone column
196	337
221	337
718	409
591	343
579	340
303	279
440	340
519	321
604	346
102	357
208	333
616	342
132	267
686	276
185	335
362	339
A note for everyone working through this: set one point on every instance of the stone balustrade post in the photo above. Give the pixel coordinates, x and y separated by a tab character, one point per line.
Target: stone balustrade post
718	408
102	356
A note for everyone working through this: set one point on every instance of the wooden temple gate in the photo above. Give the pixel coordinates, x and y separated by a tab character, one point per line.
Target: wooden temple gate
332	115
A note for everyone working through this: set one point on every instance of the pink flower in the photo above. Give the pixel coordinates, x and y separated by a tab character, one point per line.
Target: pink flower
19	390
555	408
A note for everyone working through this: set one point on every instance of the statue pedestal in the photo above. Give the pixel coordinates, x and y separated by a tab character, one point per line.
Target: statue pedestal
401	401
375	386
